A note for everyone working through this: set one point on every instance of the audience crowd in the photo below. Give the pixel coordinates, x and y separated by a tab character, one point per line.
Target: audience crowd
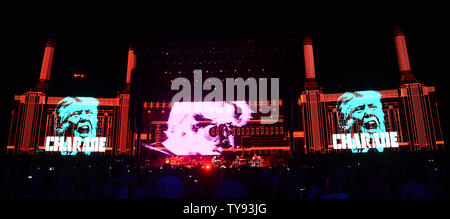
370	176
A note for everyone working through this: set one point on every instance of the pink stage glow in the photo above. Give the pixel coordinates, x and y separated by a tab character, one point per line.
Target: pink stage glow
189	125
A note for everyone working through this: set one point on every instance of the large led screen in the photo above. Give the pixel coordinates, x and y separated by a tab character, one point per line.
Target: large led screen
361	122
76	127
192	126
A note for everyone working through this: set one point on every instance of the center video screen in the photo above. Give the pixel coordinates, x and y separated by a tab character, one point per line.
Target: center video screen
204	128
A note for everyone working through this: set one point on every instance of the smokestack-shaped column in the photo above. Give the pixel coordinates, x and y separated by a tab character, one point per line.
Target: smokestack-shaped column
402	56
46	65
309	63
130	67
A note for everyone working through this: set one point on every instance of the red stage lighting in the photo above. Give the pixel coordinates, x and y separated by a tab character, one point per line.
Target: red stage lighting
79	75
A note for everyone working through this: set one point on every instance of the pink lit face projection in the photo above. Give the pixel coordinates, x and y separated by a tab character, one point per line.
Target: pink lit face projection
192	125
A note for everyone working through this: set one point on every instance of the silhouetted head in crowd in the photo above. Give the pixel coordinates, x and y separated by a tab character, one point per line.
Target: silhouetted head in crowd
416	173
335	183
167	170
230	174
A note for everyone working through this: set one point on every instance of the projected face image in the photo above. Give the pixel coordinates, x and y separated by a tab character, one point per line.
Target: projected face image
362	109
77	117
361	112
192	126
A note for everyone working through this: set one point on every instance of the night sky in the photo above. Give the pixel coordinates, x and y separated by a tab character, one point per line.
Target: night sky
353	44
